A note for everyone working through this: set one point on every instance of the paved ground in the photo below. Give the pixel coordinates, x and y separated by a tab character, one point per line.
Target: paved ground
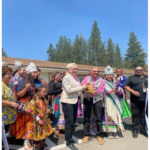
125	143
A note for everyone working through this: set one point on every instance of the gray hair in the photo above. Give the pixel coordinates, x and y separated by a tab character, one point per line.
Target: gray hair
70	65
93	68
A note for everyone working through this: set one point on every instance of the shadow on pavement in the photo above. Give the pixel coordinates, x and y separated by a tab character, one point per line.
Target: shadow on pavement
55	139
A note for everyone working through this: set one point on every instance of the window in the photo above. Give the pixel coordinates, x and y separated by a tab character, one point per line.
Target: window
81	79
50	76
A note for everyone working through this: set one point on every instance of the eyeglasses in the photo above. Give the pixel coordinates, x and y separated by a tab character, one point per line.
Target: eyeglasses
9	74
95	71
139	70
74	69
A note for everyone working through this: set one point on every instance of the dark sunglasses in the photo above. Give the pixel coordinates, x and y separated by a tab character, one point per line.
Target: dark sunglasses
96	71
139	70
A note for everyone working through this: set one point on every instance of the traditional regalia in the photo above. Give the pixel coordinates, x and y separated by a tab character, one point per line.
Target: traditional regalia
42	131
22	127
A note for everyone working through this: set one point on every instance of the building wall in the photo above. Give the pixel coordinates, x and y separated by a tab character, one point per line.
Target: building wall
46	73
45	76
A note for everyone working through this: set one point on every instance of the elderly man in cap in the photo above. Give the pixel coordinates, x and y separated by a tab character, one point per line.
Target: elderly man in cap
71	93
93	101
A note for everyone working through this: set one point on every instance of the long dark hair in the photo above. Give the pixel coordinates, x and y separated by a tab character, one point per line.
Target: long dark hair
54	75
28	78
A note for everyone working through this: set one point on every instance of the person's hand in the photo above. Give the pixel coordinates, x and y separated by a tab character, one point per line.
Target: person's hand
28	86
40	122
87	83
48	111
114	90
85	86
15	105
136	93
46	101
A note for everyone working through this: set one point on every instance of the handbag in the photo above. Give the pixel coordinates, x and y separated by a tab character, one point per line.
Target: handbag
21	107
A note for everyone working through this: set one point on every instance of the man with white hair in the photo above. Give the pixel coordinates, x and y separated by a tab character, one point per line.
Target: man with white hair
93	101
71	93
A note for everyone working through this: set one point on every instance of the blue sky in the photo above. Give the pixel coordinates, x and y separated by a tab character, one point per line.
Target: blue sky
29	26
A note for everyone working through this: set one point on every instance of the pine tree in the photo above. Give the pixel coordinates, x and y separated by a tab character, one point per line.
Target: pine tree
135	54
66	52
118	58
111	51
79	50
63	50
51	53
59	49
4	53
102	56
94	44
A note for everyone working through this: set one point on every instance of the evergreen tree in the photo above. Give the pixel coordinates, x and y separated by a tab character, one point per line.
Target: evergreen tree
102	56
118	58
51	53
145	68
111	51
63	49
135	54
4	53
94	44
79	50
59	49
66	53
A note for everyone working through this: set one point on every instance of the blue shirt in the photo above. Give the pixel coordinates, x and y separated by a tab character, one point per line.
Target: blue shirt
21	86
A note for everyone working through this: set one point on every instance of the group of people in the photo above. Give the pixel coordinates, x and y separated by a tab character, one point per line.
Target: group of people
33	109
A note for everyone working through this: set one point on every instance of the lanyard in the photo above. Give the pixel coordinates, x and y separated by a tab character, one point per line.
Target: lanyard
142	81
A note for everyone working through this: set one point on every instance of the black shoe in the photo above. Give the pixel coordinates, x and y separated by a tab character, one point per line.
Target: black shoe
72	142
71	147
143	132
135	133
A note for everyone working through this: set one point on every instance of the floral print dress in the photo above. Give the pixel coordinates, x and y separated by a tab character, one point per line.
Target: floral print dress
46	127
9	114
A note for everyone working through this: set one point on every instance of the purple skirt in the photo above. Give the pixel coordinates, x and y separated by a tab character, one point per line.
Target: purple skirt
79	113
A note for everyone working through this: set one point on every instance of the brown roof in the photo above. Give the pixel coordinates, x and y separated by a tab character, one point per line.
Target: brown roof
49	64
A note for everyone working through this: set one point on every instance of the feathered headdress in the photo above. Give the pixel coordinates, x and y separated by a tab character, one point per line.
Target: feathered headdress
18	64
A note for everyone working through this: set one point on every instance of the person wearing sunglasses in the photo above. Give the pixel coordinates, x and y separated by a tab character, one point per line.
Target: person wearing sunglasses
137	85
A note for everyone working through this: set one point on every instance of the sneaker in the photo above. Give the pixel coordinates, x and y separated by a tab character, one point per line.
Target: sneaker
71	147
76	124
27	145
85	139
100	140
116	136
110	136
8	134
135	133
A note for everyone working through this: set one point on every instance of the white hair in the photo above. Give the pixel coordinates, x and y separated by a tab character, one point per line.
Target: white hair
70	65
93	68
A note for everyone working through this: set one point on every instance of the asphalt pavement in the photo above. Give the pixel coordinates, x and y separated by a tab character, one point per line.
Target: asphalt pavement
124	143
